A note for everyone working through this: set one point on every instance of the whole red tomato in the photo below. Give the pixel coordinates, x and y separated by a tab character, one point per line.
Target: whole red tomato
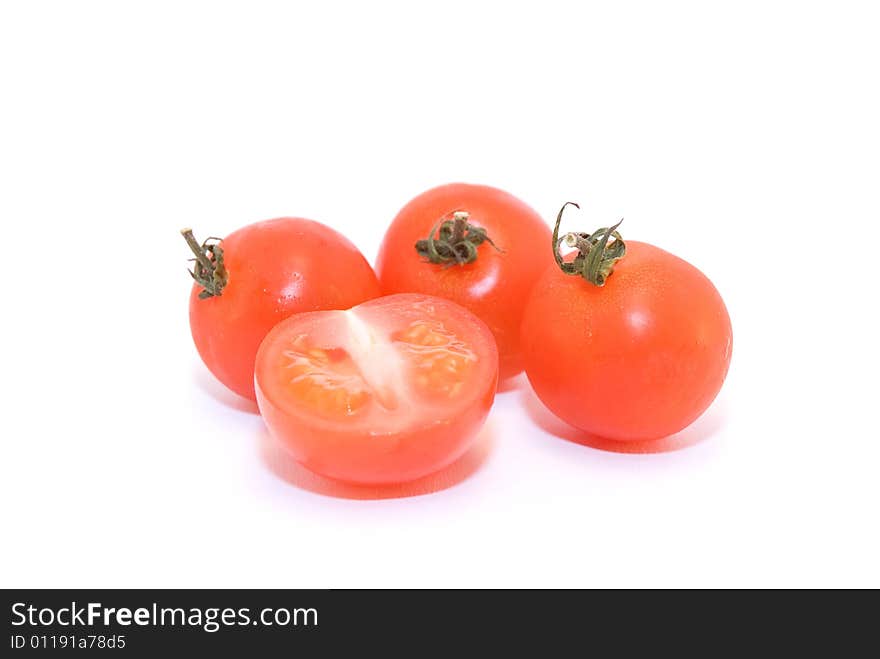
474	245
625	340
260	275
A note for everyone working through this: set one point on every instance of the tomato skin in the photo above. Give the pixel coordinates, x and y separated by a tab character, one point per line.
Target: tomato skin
382	459
638	359
276	268
495	286
366	452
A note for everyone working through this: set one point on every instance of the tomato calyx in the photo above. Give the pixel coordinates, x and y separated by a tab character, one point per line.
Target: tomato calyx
596	256
456	241
208	269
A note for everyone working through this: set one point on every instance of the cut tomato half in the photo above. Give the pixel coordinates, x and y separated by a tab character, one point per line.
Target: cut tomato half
388	391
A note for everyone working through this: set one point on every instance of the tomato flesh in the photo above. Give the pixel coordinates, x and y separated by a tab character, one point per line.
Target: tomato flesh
388	391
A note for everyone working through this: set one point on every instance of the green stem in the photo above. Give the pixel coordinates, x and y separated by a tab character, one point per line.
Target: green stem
454	242
197	249
208	270
596	253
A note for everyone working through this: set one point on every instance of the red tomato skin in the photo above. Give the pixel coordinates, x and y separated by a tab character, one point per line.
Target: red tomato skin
638	359
381	459
371	456
496	285
276	268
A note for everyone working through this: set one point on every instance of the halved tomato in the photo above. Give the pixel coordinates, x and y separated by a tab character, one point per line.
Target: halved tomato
385	392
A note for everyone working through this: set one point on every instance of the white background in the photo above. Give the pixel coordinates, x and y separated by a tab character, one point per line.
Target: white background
741	136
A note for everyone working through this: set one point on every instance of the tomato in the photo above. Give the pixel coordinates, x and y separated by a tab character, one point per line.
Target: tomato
260	275
639	356
491	277
386	392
